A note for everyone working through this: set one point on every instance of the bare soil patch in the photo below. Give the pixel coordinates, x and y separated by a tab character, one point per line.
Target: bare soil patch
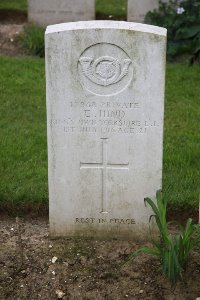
9	39
84	268
11	26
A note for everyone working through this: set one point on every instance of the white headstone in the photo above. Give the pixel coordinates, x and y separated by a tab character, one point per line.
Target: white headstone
105	98
137	9
46	12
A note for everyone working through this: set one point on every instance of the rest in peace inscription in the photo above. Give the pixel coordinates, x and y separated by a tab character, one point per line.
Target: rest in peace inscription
103	221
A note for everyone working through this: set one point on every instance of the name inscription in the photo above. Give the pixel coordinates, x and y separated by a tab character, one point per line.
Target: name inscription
104	220
104	118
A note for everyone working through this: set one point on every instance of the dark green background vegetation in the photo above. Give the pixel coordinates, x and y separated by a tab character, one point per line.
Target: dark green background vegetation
183	29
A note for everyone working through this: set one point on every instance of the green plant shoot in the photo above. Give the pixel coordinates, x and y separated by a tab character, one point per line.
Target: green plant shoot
173	250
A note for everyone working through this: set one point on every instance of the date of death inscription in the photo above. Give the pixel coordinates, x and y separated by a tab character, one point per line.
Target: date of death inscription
104	220
117	118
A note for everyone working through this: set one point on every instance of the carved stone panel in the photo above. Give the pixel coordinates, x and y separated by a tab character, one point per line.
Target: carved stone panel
105	69
105	104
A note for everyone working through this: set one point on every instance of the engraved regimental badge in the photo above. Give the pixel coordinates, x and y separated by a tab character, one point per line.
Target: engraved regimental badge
103	74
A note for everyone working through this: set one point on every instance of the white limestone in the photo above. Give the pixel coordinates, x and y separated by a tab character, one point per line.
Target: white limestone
46	12
137	9
105	103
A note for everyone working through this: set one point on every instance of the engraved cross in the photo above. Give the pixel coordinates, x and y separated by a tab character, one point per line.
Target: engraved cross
104	166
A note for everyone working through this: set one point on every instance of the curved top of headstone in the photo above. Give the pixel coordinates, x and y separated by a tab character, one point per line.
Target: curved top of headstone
106	25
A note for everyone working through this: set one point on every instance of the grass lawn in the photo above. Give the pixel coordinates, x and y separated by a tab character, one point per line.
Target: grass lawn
181	174
23	130
14	4
23	148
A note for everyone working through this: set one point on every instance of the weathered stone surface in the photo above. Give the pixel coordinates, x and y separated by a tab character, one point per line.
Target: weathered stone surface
46	12
137	9
105	102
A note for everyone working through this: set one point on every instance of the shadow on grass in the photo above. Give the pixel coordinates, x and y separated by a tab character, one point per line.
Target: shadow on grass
24	209
12	16
38	209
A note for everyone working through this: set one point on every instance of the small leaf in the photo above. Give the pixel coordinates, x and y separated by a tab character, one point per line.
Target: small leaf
187	32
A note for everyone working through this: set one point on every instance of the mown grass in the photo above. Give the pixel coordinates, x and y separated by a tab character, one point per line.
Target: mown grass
23	148
181	173
23	131
14	4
